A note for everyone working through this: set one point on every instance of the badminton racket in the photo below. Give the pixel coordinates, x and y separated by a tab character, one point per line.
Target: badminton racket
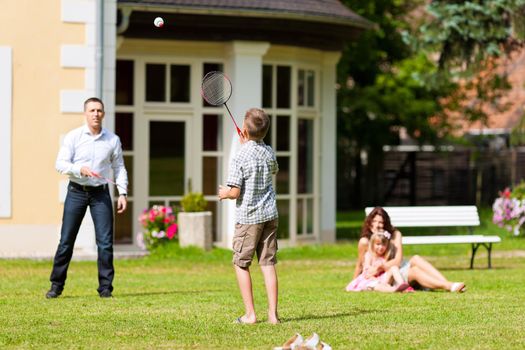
216	89
108	180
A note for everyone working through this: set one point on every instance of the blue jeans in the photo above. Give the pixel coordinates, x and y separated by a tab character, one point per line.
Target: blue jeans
100	205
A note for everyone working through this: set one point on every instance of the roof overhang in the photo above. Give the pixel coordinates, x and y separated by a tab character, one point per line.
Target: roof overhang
226	24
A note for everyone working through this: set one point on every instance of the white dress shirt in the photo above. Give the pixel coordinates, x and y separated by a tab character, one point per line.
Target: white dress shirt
101	153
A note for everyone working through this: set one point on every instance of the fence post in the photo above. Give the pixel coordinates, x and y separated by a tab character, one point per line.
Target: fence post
513	165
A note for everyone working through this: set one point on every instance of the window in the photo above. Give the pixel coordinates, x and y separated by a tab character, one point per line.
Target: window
155	82
305	176
305	216
282	148
267	79
283	207
212	156
305	88
166	158
284	81
158	81
124	129
124	225
280	83
283	133
212	159
282	180
210	67
211	132
180	83
305	155
124	83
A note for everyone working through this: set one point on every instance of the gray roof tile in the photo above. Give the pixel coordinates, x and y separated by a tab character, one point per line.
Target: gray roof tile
322	10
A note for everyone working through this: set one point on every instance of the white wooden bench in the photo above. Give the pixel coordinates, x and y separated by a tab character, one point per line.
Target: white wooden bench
441	216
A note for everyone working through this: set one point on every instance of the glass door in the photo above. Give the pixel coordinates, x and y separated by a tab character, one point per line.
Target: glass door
166	171
161	165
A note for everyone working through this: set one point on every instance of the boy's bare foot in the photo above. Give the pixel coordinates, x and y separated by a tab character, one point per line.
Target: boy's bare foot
273	319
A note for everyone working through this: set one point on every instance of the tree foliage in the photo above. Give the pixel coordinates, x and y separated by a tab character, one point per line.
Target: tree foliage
423	62
414	66
468	32
387	84
382	87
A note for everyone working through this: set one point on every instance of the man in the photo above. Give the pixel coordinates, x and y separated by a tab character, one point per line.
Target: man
87	155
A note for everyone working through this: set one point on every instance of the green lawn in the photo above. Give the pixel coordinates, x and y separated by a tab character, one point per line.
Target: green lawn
187	299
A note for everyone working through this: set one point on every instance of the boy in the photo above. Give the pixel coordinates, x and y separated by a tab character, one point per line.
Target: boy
250	183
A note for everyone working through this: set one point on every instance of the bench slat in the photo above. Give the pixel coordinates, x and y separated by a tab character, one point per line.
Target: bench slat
422	222
428	216
450	239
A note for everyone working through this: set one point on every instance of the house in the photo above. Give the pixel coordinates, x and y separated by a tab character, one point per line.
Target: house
279	55
510	112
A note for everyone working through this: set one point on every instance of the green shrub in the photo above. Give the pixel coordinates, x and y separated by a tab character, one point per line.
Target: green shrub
193	201
518	191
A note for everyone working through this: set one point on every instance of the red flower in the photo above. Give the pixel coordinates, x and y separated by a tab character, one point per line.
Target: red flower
171	231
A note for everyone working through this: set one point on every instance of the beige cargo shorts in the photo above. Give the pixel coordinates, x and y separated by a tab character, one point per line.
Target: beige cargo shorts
257	238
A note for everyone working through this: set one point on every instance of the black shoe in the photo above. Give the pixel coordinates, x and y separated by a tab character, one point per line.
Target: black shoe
53	293
106	293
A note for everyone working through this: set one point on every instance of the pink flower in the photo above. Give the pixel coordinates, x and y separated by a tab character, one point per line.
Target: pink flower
140	240
171	231
143	219
159	224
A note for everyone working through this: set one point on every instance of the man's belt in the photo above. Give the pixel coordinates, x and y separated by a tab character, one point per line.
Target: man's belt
86	188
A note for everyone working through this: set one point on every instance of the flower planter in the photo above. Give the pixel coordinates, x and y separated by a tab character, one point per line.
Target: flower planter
195	229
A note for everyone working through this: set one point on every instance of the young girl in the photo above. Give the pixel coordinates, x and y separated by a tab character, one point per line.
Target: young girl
380	250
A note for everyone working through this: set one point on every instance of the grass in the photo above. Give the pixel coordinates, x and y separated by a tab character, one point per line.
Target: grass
187	299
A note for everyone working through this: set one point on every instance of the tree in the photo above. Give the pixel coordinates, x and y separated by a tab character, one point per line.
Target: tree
383	86
469	37
418	68
468	32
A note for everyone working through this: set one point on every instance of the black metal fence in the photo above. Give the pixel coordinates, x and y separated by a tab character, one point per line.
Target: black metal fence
428	176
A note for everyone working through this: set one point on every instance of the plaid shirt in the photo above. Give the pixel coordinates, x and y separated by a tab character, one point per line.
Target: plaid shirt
251	170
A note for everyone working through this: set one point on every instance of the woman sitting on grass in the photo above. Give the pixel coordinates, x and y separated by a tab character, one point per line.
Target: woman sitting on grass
417	271
380	250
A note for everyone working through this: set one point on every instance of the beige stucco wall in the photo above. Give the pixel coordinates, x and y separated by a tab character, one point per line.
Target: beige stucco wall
35	32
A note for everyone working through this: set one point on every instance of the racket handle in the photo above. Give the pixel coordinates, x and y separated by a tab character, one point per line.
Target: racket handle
233	120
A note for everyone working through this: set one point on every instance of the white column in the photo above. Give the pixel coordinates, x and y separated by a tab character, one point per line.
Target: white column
244	67
328	146
6	101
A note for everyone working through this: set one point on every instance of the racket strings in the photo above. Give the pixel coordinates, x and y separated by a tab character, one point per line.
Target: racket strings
216	88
